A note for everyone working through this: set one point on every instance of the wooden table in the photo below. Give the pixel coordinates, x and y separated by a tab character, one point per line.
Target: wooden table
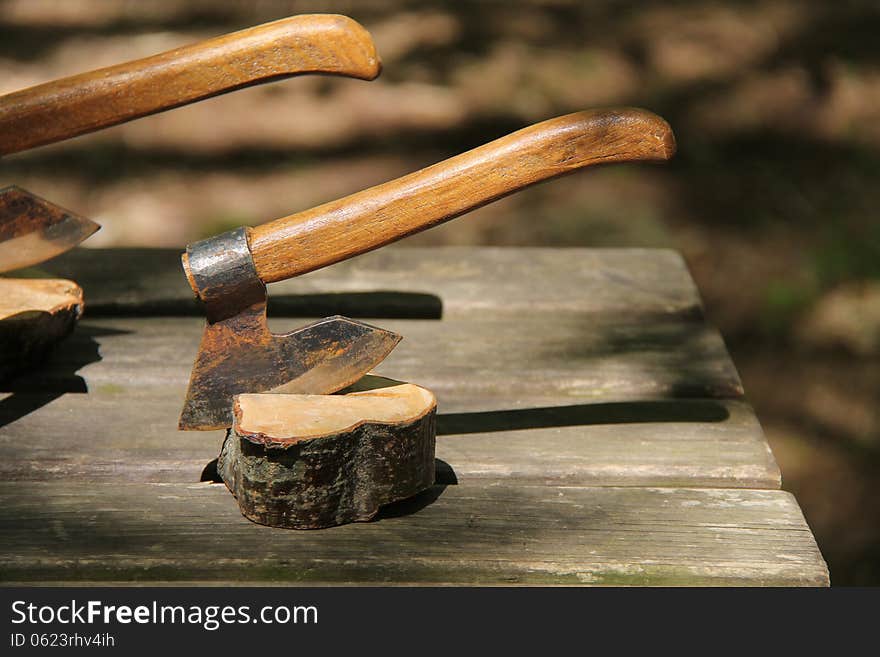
591	430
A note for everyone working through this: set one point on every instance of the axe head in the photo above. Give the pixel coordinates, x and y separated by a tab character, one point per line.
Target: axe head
32	229
239	354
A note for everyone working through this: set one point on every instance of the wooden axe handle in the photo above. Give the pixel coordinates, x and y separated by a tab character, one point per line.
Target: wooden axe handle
374	217
313	43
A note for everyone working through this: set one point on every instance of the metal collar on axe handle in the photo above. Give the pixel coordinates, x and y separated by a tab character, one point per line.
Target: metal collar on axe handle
239	354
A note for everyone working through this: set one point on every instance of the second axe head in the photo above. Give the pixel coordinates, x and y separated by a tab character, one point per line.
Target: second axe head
33	230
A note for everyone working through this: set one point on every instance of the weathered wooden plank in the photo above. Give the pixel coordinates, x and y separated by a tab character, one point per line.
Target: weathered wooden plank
565	356
702	443
590	414
411	282
474	533
653	443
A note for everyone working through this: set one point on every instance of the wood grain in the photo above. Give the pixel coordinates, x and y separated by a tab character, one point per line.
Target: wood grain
57	110
283	420
382	214
487	533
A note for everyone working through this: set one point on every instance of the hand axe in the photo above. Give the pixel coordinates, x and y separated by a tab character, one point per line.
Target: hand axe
228	272
61	109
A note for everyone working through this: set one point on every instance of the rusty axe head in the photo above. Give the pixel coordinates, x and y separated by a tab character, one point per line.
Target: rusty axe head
239	354
33	230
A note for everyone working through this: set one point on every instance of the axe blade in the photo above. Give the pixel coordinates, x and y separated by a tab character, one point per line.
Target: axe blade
239	355
32	229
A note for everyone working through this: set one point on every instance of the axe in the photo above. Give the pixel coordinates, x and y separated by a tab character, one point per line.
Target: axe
228	273
311	43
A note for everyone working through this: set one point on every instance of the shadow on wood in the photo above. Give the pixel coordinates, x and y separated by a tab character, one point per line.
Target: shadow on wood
581	415
210	473
54	377
380	304
444	476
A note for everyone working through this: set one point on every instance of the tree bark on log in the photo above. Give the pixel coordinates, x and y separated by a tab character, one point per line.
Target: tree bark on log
314	461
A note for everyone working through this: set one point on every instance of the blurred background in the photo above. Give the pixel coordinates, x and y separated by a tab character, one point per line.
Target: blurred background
772	197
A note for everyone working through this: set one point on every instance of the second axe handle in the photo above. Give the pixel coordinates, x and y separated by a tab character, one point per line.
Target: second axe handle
57	110
382	214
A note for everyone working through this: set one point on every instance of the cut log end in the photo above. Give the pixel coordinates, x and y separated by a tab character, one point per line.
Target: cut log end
312	461
262	419
34	315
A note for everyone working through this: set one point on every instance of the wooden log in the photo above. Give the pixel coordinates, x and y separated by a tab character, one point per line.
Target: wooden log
34	315
313	461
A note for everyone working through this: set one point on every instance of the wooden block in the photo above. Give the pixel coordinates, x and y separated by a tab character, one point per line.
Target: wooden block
34	315
313	461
